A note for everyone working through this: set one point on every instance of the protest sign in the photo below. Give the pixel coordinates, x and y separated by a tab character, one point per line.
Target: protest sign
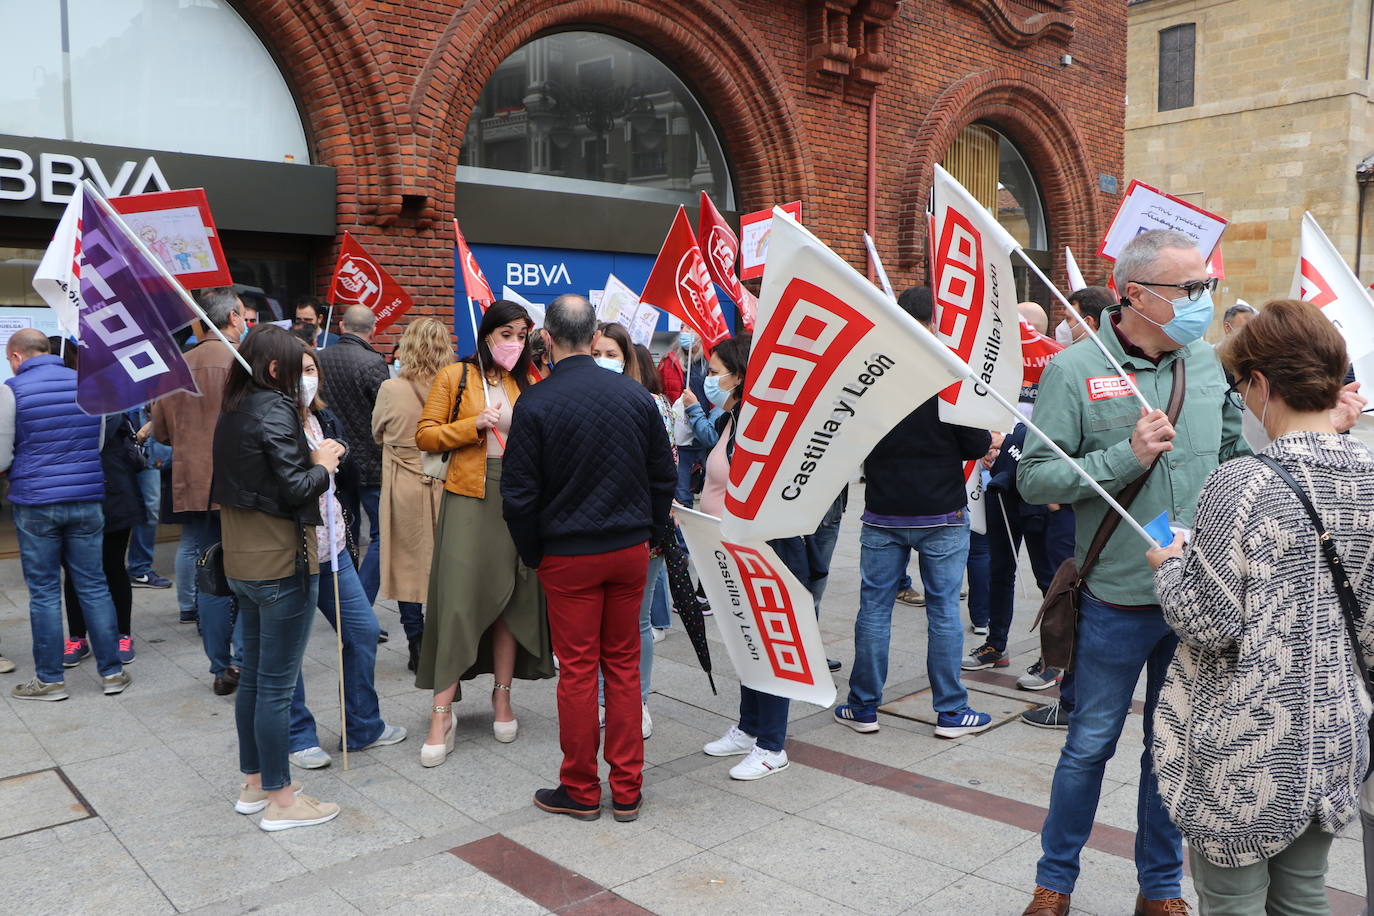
534	308
681	285
766	618
621	304
360	280
1144	208
755	231
975	303
976	496
177	228
834	366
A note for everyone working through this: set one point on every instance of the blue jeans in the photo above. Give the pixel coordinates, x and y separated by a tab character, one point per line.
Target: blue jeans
218	615
820	548
978	564
357	501
1113	645
883	556
687	456
143	538
1003	542
73	533
412	618
276	624
1049	542
185	567
360	630
659	613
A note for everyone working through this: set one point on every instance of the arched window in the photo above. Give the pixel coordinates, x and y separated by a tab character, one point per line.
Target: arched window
589	113
185	76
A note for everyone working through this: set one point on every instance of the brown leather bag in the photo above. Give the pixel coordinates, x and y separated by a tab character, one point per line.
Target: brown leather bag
1058	617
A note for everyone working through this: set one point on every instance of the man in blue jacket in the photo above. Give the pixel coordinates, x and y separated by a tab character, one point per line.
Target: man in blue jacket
586	478
52	452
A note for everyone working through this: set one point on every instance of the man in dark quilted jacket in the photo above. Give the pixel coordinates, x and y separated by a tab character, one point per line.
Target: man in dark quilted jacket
352	373
587	477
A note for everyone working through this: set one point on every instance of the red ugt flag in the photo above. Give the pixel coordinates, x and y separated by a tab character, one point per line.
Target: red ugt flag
474	281
720	247
360	280
680	284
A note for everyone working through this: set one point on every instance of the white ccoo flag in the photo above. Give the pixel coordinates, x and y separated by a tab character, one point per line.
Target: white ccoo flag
835	366
1324	279
975	303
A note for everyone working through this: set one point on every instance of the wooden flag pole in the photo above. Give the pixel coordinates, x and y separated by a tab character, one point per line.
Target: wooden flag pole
332	541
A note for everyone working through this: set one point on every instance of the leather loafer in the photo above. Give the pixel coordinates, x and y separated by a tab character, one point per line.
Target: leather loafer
1174	906
227	682
1045	902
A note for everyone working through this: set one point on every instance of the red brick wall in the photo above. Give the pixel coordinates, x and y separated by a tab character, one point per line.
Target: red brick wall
386	88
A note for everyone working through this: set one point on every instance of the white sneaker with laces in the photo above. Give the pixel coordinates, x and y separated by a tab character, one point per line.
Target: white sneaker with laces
311	758
735	741
646	722
759	763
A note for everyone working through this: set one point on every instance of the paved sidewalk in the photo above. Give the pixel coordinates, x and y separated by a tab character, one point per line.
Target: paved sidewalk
128	808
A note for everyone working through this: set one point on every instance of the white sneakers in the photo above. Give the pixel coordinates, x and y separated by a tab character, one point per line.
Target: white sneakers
735	741
311	758
759	763
646	722
304	812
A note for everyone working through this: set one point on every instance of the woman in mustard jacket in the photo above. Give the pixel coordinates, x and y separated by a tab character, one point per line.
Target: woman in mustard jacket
485	613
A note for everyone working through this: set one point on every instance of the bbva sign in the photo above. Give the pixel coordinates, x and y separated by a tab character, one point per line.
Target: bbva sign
58	176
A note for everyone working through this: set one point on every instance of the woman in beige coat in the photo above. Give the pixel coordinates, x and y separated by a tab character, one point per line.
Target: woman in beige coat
410	500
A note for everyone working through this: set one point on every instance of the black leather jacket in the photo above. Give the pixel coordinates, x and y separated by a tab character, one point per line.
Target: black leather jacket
262	461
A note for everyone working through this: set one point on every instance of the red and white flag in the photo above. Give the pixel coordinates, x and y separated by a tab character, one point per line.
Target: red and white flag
360	280
680	284
1324	279
720	247
835	366
766	618
975	303
474	281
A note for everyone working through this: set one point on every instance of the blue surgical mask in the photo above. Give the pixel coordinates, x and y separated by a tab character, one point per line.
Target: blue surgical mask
714	394
1191	319
615	365
685	339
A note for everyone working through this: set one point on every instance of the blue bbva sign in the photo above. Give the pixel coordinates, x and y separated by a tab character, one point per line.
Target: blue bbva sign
540	274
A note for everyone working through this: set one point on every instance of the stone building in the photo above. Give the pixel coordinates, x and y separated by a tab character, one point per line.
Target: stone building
1257	110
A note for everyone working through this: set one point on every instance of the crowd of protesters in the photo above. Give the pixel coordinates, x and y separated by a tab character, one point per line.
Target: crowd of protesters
519	512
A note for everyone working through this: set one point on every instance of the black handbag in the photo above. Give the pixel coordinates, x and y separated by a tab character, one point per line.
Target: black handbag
210	577
1350	605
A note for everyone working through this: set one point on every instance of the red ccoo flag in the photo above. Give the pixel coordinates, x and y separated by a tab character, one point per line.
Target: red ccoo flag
720	247
474	281
681	285
360	280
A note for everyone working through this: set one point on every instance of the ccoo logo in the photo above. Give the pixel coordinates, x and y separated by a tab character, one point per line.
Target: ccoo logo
1315	289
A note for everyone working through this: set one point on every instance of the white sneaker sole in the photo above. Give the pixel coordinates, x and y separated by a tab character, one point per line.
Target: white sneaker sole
49	697
273	826
732	752
866	728
750	777
960	731
1038	685
310	764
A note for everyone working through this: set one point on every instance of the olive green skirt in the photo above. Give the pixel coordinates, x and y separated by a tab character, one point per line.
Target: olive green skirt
476	577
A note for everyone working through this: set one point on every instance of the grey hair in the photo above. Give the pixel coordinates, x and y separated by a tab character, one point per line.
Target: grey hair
1240	308
219	303
571	321
359	319
1140	254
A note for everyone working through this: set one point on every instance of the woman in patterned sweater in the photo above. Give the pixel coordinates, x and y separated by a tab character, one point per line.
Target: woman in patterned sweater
1261	734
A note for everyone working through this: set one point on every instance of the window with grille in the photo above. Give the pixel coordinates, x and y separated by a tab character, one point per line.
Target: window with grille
1176	49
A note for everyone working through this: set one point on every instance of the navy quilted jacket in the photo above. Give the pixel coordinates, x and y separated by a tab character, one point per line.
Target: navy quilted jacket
587	468
56	446
353	372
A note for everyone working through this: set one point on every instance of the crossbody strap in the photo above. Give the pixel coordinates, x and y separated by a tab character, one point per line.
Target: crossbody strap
1350	605
1111	520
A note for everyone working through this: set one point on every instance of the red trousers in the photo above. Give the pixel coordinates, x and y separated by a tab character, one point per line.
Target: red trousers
594	623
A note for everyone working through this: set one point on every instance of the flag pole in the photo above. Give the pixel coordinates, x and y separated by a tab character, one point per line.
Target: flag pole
162	269
332	540
878	267
1035	268
1054	447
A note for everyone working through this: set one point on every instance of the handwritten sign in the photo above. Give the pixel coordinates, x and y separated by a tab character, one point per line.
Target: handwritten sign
755	230
1145	208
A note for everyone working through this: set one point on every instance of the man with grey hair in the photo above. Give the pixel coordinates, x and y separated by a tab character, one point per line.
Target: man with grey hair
352	372
586	479
187	424
1236	316
1156	334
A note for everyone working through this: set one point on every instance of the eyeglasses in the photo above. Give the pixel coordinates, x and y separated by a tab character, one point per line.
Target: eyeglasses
1234	398
1194	288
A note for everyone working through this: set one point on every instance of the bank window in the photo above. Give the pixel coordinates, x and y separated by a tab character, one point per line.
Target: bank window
1176	52
584	112
186	76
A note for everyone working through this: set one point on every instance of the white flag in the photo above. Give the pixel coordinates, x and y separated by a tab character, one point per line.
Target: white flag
767	619
1076	281
977	496
1323	278
835	366
975	303
58	279
535	309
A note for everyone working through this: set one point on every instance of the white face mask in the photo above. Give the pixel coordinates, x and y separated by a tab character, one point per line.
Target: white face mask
1062	335
1252	427
310	384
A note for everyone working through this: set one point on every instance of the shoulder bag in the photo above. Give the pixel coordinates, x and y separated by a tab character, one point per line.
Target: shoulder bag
435	464
1058	617
1350	605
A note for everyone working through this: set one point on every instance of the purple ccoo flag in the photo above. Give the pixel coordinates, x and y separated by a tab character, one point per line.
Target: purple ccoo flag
127	315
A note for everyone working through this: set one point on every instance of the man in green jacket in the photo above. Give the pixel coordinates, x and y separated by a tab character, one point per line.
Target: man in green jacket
1094	416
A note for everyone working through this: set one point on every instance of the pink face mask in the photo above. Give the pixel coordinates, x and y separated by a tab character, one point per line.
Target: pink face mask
507	353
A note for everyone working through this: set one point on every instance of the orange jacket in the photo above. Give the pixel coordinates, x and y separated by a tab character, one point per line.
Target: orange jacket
438	431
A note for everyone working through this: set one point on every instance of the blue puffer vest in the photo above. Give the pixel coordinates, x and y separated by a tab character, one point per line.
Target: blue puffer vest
56	446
